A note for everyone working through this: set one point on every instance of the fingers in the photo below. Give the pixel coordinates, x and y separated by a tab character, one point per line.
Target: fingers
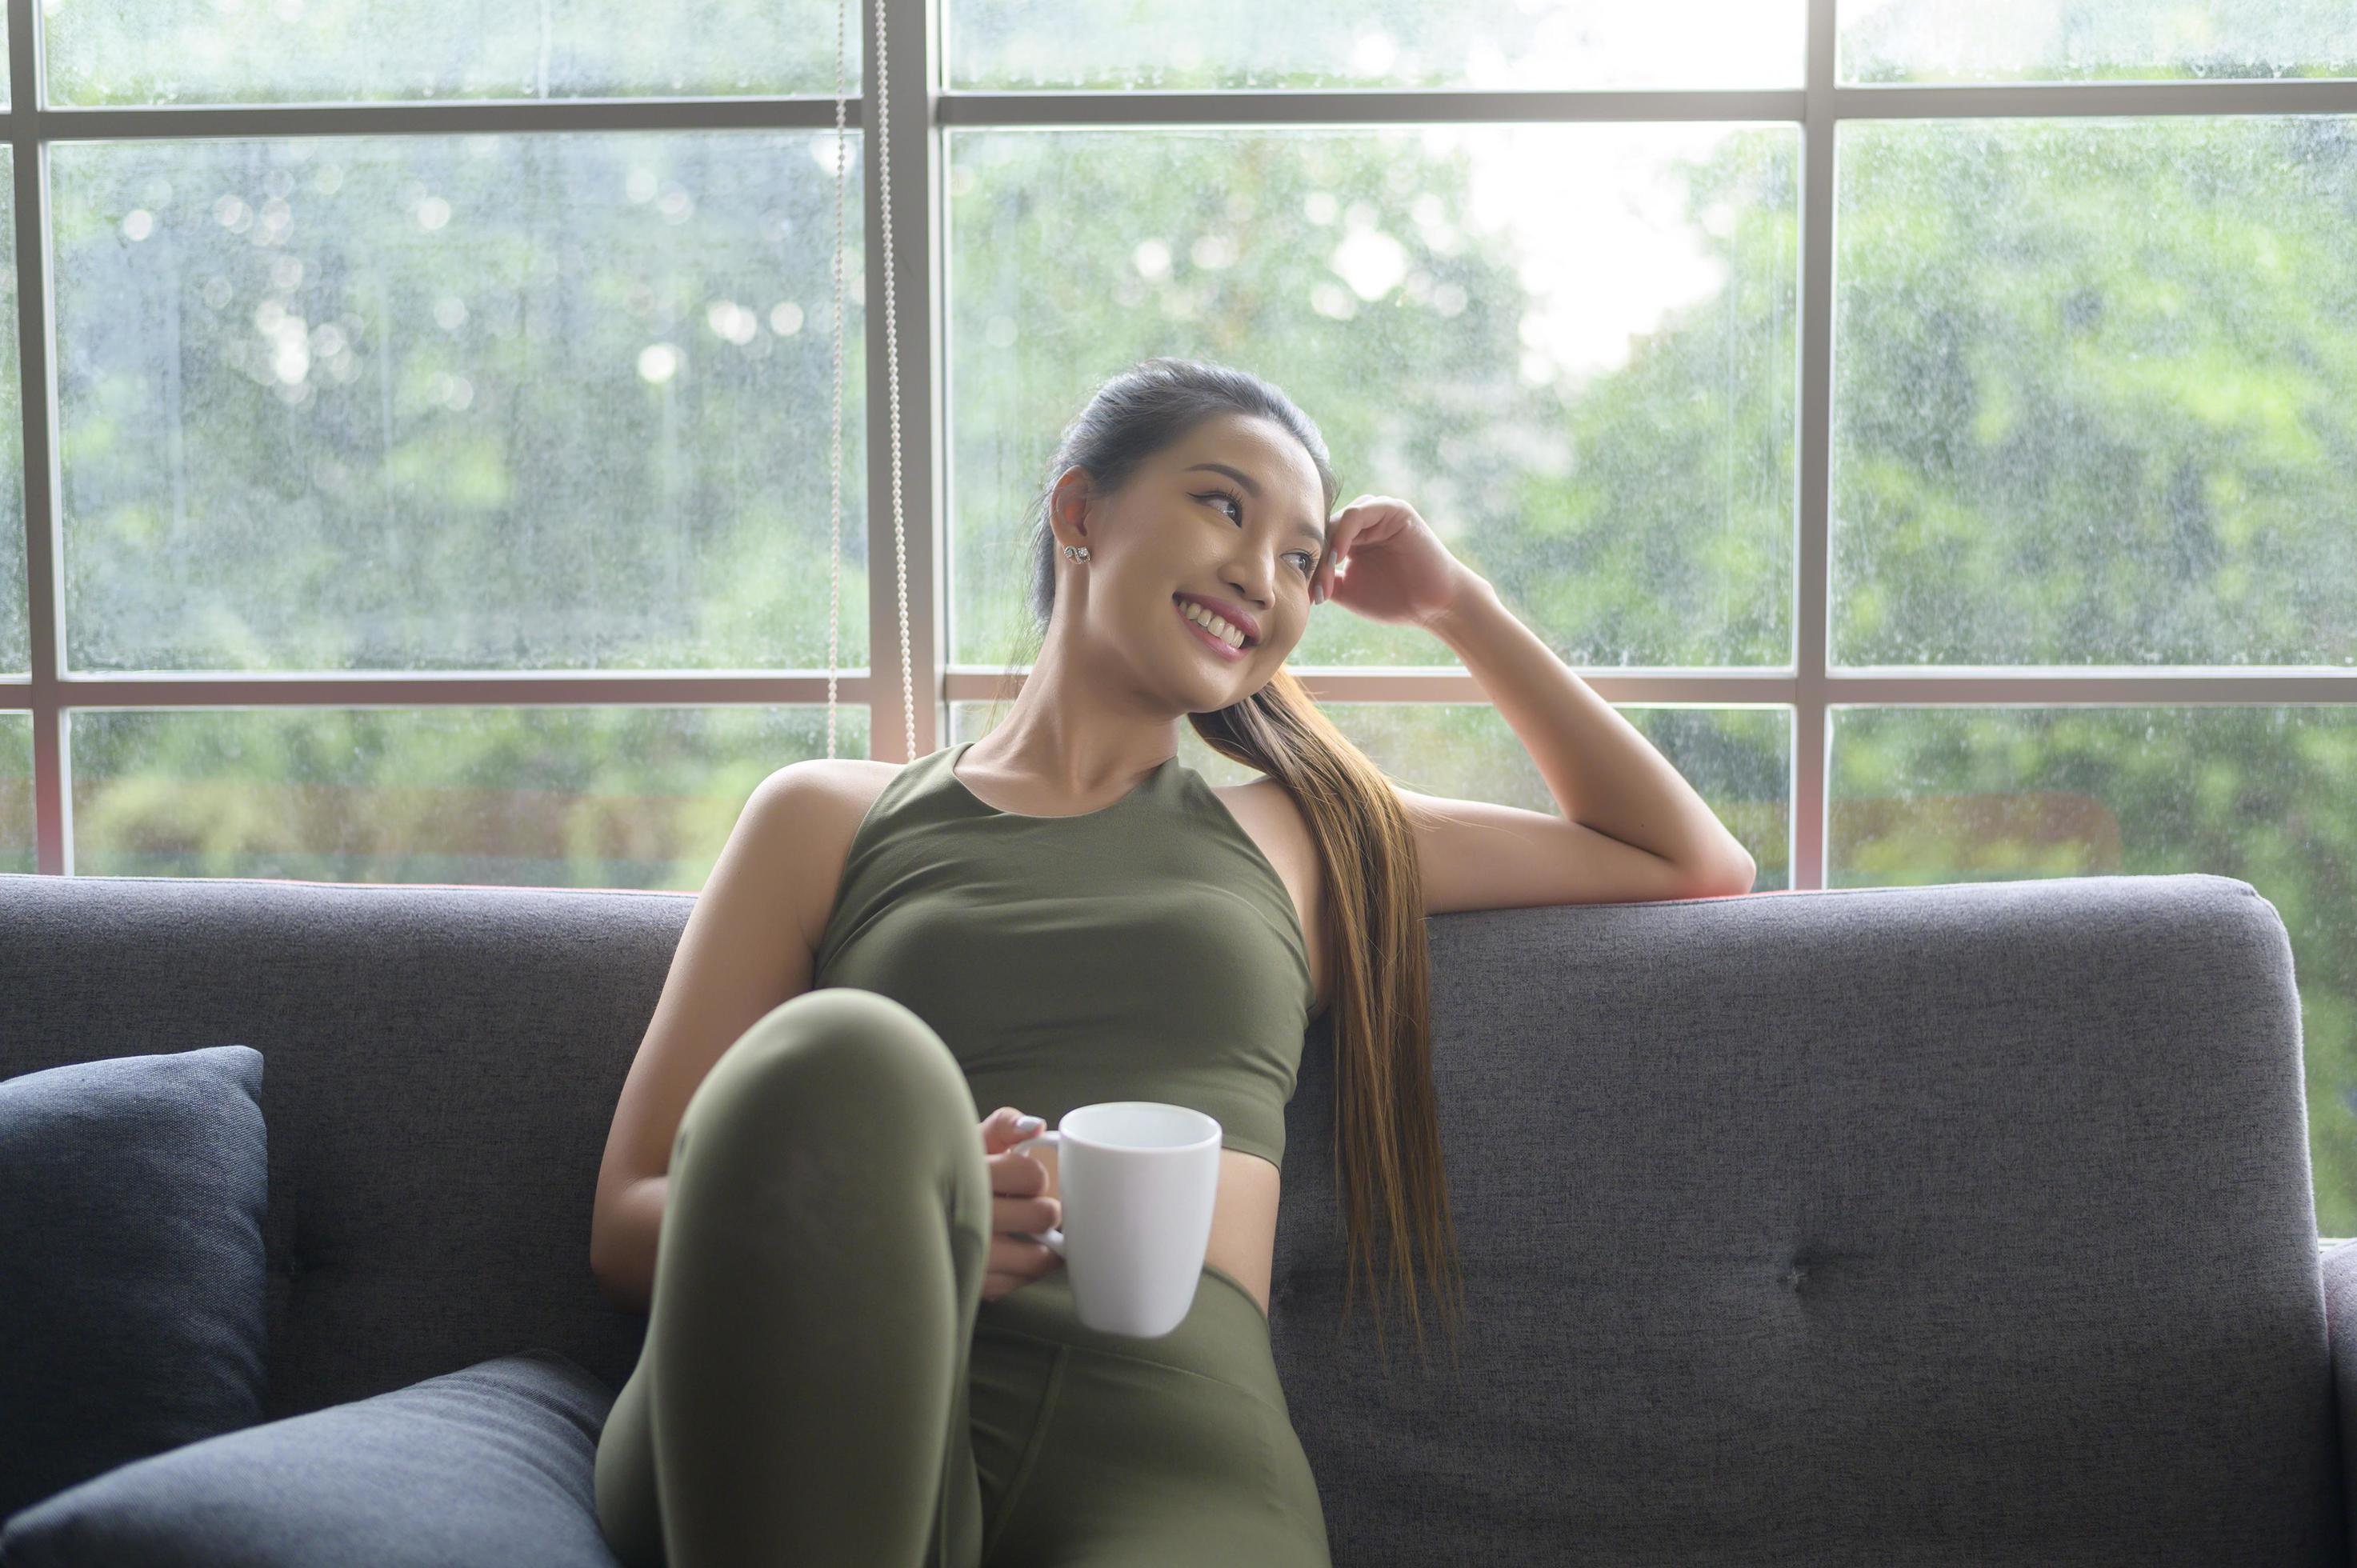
1015	1262
1005	1127
1016	1176
1029	1216
1019	1208
1021	1256
998	1130
998	1281
1340	529
1330	567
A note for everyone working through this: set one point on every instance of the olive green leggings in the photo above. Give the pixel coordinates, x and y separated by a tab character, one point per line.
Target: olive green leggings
821	1381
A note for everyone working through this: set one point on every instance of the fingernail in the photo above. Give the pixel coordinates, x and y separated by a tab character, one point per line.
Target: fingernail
1029	1124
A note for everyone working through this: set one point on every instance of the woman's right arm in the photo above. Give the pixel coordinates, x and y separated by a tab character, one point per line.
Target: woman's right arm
631	1218
746	948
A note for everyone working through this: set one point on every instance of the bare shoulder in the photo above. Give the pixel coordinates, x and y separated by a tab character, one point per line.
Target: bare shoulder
840	790
1268	811
1263	803
857	777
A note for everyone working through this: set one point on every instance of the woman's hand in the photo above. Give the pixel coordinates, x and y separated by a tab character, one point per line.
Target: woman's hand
1018	1208
1384	562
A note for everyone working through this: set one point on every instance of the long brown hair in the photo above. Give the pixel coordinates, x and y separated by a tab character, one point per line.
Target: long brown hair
1387	1133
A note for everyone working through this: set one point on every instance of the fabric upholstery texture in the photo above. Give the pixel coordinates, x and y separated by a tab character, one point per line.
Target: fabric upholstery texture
132	1197
1969	1223
490	1465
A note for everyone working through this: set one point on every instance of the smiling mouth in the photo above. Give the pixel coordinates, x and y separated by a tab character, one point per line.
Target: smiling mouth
1204	633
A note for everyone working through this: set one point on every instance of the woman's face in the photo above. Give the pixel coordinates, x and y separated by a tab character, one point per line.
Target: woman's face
1233	512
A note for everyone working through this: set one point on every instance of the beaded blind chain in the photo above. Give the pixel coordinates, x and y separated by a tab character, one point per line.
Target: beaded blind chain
878	144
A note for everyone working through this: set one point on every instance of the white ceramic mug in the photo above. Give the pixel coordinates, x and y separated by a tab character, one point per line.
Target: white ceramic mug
1137	1180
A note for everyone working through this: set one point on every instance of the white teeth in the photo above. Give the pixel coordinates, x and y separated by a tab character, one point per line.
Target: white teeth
1212	623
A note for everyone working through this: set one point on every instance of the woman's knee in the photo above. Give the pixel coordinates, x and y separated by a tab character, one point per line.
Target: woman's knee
831	1056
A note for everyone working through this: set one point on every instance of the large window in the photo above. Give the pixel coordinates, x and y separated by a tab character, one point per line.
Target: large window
1934	422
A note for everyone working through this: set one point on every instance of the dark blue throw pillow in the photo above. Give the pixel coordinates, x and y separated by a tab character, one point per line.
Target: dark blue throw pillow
495	1467
133	1295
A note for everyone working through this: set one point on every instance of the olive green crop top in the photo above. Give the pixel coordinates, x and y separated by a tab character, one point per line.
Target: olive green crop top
1148	950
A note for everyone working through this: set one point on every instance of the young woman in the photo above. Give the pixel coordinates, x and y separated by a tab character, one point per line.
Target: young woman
855	1353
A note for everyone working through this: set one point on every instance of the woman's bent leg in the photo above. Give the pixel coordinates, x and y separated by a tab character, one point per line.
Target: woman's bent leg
801	1395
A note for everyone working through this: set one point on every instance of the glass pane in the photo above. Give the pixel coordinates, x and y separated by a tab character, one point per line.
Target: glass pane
182	53
1591	398
2094	40
469	403
15	632
1738	759
1171	44
520	797
16	842
2095	393
1923	796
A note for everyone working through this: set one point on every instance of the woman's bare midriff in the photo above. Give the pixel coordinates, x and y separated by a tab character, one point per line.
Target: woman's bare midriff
1243	1216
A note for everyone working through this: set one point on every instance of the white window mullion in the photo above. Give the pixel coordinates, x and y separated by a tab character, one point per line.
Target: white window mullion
40	584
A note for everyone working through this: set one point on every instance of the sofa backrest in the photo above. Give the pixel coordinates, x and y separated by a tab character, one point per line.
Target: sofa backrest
1969	1223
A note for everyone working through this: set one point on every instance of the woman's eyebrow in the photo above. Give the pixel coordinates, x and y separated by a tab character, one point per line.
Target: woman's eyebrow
1253	489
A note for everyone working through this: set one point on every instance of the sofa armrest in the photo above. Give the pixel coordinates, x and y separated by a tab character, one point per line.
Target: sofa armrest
2340	1267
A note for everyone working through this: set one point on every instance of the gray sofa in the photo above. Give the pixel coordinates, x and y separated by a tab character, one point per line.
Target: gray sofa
1960	1224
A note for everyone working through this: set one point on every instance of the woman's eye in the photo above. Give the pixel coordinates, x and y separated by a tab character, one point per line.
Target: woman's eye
1309	558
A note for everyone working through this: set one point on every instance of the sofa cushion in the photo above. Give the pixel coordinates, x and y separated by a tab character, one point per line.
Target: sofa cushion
496	1464
133	1318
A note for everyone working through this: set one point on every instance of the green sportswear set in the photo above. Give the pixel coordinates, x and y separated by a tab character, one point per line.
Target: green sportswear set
821	1383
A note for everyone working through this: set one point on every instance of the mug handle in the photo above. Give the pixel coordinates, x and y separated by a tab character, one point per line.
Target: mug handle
1051	1238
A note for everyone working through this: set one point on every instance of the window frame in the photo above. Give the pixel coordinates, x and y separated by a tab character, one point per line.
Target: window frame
902	728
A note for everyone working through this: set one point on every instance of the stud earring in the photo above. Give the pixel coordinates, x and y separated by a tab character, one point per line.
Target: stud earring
1080	554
